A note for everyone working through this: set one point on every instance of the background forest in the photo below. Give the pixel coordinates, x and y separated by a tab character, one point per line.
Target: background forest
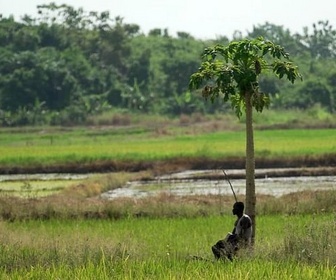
67	64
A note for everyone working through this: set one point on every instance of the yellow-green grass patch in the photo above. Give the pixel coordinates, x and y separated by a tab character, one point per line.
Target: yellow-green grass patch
83	148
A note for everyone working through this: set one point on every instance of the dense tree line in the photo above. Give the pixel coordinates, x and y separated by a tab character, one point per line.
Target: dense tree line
67	64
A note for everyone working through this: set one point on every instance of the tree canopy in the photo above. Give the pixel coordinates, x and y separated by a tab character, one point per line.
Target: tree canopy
68	63
232	71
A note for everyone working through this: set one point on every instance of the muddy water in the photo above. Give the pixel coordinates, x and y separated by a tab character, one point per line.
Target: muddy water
186	183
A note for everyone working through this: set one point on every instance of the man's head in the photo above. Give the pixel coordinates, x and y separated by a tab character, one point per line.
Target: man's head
238	208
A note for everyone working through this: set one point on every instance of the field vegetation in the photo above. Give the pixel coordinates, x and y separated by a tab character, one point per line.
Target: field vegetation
166	238
82	92
71	233
147	140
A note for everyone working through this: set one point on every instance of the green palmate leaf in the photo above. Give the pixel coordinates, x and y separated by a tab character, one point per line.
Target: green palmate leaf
286	69
265	51
233	70
237	104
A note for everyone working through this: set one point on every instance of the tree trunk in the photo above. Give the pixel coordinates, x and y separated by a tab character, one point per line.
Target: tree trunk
250	164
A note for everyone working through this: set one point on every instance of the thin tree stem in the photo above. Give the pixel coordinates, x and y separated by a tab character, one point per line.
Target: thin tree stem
250	164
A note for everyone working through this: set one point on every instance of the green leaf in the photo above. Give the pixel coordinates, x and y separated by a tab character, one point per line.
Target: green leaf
231	71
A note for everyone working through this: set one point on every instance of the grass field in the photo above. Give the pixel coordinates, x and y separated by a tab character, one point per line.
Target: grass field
72	234
87	146
163	249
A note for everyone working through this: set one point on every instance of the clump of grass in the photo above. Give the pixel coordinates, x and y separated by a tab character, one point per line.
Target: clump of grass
304	202
312	243
83	200
98	184
154	249
164	205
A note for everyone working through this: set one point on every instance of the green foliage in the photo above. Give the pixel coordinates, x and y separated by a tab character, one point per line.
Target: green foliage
65	54
232	71
29	77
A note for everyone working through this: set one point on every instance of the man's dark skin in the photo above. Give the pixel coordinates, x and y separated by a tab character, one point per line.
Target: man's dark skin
236	239
238	210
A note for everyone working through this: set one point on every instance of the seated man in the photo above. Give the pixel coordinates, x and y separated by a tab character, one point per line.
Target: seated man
240	237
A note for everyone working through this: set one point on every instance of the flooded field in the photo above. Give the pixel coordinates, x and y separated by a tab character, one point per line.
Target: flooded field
213	182
274	182
37	185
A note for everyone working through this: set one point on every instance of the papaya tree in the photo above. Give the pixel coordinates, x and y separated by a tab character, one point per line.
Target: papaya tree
231	72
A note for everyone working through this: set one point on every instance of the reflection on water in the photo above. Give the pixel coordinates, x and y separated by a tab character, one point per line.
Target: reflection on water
183	184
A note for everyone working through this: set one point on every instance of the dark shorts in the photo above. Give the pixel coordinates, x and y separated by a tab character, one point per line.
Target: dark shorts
224	249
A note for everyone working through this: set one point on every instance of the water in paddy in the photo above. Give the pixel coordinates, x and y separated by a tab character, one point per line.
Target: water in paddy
37	185
185	183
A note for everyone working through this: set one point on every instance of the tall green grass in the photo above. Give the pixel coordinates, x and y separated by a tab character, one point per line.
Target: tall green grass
164	249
